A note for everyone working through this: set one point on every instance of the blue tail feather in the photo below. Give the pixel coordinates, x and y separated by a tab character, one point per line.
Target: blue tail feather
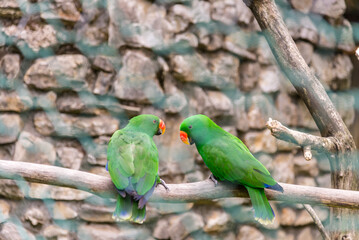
276	187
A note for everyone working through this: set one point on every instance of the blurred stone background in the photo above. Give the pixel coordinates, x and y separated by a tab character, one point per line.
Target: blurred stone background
72	72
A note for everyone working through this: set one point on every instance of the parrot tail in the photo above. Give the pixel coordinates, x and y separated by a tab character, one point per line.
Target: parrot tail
127	210
263	212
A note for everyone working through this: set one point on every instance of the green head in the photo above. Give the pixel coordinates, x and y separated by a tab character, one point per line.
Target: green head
196	129
147	123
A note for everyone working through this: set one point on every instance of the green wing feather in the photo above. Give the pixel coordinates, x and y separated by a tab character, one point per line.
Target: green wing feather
229	159
132	155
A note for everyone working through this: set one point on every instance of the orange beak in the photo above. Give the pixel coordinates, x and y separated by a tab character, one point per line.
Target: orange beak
184	137
162	126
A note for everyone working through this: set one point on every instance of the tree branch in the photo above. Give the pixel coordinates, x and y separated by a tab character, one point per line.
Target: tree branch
297	71
299	138
186	192
317	221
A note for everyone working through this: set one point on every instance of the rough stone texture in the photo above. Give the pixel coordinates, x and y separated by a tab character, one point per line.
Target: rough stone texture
97	151
67	125
240	43
306	49
175	99
5	209
212	71
305	234
61	10
98	232
14	102
269	81
303	6
41	191
10	66
10	127
9	9
284	168
240	114
342	67
250	233
333	71
70	157
249	74
85	104
260	142
161	230
10	189
94	213
330	8
103	83
286	109
35	36
303	167
209	40
287	216
35	216
58	72
260	108
132	83
63	211
185	224
224	11
222	105
144	26
345	40
302	27
54	231
217	221
305	181
30	148
15	232
106	63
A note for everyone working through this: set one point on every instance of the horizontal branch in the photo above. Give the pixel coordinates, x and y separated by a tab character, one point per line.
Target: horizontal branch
185	192
299	138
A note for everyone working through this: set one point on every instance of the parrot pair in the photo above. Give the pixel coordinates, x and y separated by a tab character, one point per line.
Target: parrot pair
133	164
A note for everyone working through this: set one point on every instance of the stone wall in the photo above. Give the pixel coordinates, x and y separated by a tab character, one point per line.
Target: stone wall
72	72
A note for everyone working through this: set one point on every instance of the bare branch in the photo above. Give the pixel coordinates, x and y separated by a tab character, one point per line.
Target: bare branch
297	71
299	138
187	192
317	221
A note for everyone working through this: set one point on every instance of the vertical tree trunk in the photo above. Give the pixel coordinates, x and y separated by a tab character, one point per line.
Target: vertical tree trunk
344	222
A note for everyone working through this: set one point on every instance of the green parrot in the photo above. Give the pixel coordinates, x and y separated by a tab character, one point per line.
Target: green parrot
229	159
132	161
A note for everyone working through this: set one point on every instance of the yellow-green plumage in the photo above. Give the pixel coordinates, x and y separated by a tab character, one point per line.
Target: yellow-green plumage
133	166
230	160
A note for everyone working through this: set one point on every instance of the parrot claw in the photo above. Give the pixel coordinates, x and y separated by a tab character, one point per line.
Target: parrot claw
163	183
211	177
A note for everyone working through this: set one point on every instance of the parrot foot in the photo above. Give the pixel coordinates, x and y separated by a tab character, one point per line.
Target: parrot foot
163	183
213	179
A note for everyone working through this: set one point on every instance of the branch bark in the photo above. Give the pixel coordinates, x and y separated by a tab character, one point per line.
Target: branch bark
344	162
317	221
186	192
299	138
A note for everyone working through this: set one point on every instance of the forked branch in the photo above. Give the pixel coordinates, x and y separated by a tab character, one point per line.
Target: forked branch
304	140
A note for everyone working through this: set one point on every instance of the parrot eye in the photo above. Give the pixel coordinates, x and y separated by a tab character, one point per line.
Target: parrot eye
190	127
154	121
